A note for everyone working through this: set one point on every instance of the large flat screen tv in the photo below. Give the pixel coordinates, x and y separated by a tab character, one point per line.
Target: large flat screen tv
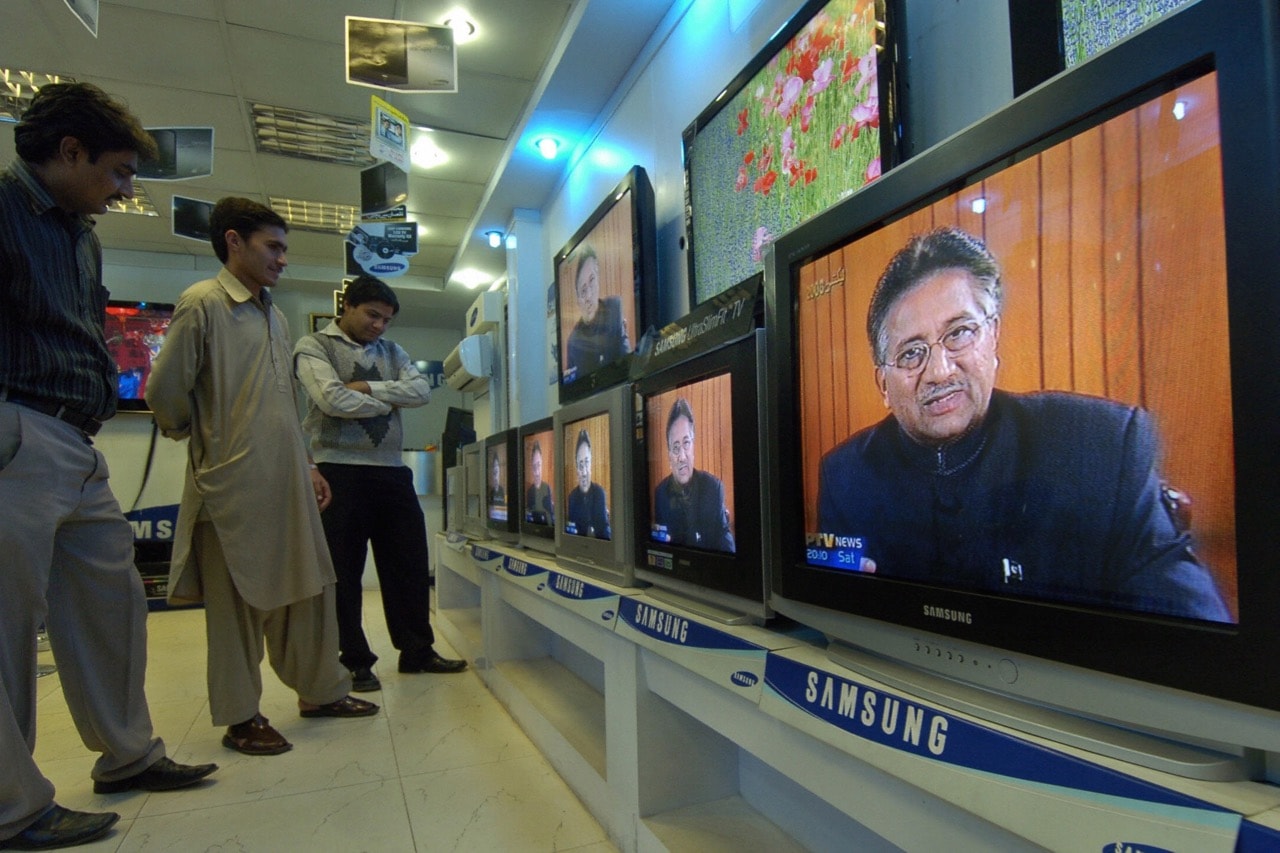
593	525
502	484
1059	489
809	120
134	332
697	502
539	484
606	287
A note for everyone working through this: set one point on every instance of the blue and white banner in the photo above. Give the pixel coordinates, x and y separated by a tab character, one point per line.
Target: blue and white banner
596	603
524	573
486	558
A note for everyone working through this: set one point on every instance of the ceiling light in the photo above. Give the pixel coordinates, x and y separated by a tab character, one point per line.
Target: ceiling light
511	241
495	238
323	216
312	136
471	278
548	146
464	29
425	154
17	88
139	205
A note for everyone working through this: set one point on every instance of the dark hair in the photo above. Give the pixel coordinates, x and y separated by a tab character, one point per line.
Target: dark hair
924	255
583	438
83	111
243	216
366	288
679	409
536	450
584	253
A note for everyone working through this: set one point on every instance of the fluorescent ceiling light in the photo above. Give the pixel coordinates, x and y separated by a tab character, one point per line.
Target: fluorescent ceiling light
323	216
312	136
471	278
17	88
139	205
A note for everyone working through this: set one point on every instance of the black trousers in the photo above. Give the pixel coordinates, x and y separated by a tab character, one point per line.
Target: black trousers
376	505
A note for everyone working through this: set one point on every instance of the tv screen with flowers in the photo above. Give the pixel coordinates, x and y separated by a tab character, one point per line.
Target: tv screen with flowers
805	124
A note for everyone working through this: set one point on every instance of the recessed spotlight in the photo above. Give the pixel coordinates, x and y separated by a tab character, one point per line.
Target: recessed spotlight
471	278
548	146
495	238
464	28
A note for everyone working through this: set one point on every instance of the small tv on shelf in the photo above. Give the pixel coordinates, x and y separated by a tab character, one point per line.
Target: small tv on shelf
697	503
475	521
606	288
1023	430
539	485
593	524
134	332
807	122
502	486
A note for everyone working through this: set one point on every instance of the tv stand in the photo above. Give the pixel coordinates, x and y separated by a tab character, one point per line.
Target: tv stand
1144	750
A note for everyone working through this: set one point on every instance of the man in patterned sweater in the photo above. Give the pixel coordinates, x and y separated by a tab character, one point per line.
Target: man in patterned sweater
356	384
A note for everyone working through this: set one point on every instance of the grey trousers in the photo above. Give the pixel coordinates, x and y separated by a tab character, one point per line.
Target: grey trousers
301	640
66	559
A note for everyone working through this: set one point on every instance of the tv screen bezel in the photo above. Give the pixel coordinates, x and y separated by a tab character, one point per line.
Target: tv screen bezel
735	582
892	120
508	529
610	559
126	404
540	537
474	525
1209	668
639	193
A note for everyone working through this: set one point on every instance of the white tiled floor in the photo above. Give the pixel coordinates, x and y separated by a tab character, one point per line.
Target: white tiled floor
442	767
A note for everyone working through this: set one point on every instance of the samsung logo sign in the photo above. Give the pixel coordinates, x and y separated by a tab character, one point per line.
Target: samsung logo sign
742	678
948	615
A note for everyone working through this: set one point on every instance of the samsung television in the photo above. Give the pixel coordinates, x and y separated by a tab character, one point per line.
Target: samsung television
475	521
606	287
502	486
593	524
539	484
809	120
1069	502
134	332
697	503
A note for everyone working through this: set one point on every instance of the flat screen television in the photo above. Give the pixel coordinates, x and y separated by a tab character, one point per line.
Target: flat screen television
502	486
697	503
1096	535
539	485
134	332
809	120
459	430
475	521
606	287
593	524
383	186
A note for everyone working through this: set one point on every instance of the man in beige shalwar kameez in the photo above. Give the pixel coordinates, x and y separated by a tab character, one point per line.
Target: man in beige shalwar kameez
249	543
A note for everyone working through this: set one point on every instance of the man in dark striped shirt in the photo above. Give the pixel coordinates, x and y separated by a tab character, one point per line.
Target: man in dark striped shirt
68	551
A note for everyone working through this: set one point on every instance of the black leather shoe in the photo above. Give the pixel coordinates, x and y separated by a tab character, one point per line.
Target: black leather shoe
165	775
364	681
59	827
430	661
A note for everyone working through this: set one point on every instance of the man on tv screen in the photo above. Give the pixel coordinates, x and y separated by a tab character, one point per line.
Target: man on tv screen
588	506
497	492
689	504
538	502
1047	494
600	335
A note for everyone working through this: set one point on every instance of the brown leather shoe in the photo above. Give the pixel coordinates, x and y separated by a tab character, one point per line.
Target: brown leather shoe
347	706
255	736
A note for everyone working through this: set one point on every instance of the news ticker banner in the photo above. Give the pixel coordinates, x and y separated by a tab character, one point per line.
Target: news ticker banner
733	658
1043	792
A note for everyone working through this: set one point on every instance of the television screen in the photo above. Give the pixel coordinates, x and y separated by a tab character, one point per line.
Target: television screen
1091	26
805	124
134	332
539	485
474	512
593	530
1023	393
502	485
383	187
605	282
698	489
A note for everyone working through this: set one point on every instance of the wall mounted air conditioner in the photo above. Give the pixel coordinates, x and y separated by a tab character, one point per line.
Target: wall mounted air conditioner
470	365
485	313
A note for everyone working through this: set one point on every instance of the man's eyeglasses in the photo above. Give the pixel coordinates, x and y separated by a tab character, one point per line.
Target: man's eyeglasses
956	340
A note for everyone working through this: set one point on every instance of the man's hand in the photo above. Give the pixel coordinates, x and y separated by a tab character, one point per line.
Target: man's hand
321	487
359	385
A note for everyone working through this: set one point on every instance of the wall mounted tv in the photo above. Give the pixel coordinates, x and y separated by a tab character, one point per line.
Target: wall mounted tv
502	486
593	524
539	484
697	501
808	121
134	332
606	287
1097	534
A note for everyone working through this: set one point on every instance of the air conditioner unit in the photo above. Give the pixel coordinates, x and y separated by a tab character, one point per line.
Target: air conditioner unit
470	365
485	313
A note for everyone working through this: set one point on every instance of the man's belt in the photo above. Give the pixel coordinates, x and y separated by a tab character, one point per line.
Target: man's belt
87	424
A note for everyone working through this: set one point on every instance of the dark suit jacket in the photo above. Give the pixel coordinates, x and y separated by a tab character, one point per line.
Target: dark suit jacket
589	513
1055	496
695	515
592	346
539	508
